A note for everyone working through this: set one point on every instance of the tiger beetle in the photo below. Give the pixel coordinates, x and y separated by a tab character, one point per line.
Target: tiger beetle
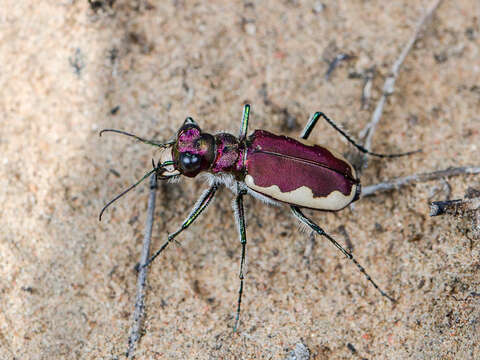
273	168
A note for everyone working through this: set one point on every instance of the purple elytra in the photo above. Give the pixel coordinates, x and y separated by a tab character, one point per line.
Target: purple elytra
290	164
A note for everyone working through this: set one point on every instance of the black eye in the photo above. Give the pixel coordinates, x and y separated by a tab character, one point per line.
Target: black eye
189	162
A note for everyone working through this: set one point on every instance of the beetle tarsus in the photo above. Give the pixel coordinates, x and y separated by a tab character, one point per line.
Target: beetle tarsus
299	215
313	121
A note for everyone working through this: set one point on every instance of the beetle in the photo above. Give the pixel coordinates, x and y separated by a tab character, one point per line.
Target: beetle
273	168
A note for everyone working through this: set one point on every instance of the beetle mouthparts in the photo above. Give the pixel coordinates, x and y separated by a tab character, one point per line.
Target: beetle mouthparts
166	167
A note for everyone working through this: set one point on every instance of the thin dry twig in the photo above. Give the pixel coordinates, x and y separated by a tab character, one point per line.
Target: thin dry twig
416	178
139	311
389	85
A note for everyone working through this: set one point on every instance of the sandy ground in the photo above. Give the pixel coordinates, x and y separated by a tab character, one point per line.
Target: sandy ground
67	284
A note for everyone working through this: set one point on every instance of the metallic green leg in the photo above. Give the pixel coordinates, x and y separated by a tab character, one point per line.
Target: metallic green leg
244	127
201	204
313	121
299	215
240	218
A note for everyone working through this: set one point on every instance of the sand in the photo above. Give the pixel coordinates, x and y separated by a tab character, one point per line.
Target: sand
67	282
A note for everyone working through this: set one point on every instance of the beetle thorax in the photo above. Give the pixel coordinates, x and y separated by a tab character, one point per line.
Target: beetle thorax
228	154
195	151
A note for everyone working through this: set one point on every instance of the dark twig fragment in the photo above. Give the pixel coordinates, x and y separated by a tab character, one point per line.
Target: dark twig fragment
471	202
466	209
335	62
447	206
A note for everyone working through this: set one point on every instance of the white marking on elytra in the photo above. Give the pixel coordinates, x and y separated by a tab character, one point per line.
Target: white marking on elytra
229	181
303	196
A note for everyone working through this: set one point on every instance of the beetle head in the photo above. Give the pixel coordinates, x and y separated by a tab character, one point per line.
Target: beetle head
190	153
193	151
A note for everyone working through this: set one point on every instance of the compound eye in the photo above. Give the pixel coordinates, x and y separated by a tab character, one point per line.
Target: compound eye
189	162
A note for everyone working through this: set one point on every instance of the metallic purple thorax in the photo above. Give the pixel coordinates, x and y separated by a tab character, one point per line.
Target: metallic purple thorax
229	154
289	164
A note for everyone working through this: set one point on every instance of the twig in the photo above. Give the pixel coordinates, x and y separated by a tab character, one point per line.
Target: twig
389	85
416	178
142	273
367	87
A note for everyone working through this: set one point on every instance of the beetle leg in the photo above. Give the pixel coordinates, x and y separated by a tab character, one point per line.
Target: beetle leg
244	127
299	215
240	219
201	204
313	121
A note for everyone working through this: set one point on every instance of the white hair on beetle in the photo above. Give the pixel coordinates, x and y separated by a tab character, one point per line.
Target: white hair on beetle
302	227
262	198
229	181
174	179
220	179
